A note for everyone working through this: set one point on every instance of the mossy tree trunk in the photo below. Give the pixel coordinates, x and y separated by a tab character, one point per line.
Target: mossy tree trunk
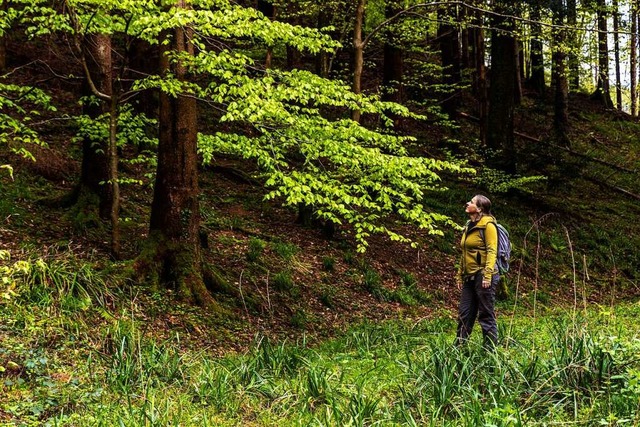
173	255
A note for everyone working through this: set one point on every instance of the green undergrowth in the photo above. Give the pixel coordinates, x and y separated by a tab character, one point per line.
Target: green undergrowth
77	351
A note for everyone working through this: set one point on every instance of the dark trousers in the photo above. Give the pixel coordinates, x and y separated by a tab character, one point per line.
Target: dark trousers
478	302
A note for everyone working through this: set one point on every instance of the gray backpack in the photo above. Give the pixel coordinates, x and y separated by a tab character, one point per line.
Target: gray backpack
504	248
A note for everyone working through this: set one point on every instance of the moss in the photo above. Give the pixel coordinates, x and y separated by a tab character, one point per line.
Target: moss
177	266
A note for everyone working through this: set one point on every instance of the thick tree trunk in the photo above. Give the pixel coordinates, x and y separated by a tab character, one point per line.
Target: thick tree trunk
393	60
143	61
500	121
358	53
450	57
602	92
536	80
94	171
633	59
616	50
561	98
172	255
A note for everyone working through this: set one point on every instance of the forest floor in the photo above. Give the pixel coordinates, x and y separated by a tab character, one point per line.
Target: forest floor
289	280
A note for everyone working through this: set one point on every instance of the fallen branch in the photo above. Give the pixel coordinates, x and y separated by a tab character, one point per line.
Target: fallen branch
567	149
611	187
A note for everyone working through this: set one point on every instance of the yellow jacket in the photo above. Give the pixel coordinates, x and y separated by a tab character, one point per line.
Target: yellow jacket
478	253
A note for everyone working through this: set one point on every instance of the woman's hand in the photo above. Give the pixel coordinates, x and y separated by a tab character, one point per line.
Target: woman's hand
486	281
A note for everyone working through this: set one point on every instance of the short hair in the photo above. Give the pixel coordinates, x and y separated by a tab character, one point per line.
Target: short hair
483	203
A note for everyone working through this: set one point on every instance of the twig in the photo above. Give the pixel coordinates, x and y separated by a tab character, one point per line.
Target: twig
244	304
573	266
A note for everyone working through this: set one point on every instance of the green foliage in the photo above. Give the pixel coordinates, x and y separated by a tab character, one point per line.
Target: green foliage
328	263
283	282
255	249
497	181
19	106
285	250
349	173
61	282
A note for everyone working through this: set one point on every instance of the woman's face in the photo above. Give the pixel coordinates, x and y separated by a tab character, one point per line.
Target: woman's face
471	207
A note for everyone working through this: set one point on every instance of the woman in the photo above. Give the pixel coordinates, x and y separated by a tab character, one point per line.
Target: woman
477	276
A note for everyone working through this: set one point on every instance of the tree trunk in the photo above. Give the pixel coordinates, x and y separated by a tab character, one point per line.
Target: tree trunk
3	41
268	10
465	38
322	60
479	76
500	120
633	59
536	80
358	54
114	209
519	73
450	57
143	61
572	40
94	171
602	93
616	50
172	255
393	60
561	98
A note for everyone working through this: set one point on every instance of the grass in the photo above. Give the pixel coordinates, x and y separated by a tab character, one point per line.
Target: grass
81	365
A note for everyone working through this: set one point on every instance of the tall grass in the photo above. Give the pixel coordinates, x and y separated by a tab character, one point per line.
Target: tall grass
559	368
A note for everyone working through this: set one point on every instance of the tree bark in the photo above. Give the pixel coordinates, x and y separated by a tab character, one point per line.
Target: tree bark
616	50
172	255
322	59
450	57
602	92
143	61
479	76
94	170
358	54
393	60
572	40
633	59
536	80
500	120
561	98
3	41
268	10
